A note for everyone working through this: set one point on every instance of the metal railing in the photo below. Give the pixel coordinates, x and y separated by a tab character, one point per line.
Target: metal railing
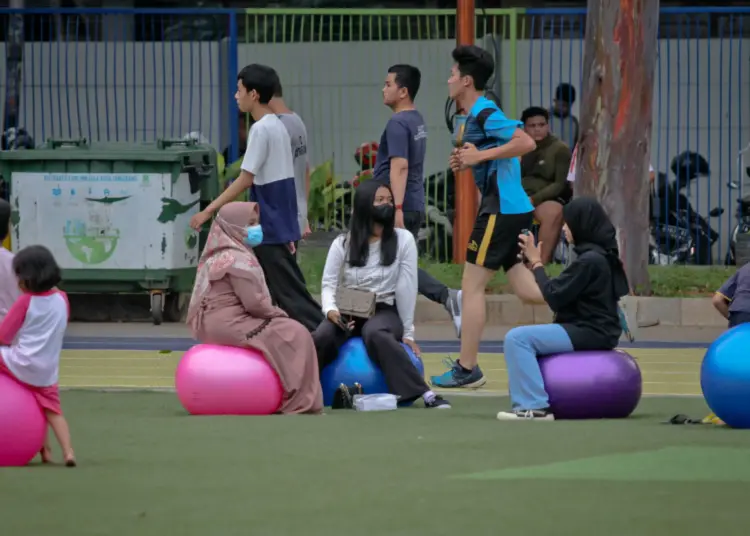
133	75
701	107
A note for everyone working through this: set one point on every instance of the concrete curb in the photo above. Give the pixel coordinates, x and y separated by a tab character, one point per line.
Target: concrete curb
507	310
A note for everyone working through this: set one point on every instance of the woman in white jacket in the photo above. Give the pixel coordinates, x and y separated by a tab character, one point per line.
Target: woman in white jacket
377	257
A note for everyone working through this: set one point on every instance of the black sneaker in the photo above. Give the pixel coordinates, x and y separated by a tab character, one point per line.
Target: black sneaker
438	402
343	398
526	415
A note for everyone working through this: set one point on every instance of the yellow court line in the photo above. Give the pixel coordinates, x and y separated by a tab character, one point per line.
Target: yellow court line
665	371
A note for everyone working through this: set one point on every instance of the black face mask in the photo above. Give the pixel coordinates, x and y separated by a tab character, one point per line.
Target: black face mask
383	214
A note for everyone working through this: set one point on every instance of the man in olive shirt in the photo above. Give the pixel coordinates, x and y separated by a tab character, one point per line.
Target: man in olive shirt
544	174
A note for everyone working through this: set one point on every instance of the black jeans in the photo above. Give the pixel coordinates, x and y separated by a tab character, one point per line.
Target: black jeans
428	286
382	335
287	284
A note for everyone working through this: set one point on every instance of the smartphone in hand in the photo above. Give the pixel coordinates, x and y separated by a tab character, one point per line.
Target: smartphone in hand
521	254
343	325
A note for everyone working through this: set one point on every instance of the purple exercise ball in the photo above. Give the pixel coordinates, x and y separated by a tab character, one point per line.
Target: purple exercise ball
592	385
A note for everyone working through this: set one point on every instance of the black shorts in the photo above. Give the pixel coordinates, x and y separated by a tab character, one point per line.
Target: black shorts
493	243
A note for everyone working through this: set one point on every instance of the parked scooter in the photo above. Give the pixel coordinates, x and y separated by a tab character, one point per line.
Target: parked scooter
678	233
689	241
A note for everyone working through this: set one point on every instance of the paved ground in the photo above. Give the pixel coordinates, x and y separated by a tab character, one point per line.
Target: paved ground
111	356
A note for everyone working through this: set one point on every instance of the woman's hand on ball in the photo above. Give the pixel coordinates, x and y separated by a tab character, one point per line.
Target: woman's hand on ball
414	347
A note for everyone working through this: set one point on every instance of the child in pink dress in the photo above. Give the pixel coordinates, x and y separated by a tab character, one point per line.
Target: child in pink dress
31	339
8	285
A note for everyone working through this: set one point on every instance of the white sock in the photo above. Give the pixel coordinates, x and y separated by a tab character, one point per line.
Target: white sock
429	397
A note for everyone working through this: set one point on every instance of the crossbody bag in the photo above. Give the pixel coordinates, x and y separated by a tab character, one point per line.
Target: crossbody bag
354	302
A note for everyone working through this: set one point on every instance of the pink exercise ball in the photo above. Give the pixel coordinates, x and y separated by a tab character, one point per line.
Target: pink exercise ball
225	380
22	424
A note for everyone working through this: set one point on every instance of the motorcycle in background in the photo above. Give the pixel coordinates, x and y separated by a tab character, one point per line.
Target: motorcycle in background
677	244
679	234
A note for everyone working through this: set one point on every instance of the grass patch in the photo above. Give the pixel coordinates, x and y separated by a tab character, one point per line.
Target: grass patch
148	469
666	281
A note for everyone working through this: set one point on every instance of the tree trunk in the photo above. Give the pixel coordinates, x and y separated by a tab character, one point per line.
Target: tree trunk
616	117
13	66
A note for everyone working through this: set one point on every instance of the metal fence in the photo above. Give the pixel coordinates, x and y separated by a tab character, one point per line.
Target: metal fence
132	75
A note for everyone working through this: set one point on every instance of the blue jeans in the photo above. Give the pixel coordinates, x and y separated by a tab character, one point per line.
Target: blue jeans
522	347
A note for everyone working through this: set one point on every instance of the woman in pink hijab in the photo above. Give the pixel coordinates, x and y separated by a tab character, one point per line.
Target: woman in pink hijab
231	306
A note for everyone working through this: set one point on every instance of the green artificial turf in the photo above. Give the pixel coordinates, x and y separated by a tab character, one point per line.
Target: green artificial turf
146	468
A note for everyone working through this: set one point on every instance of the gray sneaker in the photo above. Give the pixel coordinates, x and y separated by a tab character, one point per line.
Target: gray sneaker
624	324
453	306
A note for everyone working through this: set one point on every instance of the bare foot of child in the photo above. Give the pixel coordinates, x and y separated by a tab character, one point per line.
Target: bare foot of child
70	459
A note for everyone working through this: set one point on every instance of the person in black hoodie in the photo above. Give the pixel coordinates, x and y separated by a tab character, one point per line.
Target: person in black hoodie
583	298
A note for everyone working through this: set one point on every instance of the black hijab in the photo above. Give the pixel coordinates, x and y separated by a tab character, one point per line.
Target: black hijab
593	231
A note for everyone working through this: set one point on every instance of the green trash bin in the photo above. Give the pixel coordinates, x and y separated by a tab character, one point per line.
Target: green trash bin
115	215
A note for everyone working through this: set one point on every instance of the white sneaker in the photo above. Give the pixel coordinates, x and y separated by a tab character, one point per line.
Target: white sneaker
526	415
453	306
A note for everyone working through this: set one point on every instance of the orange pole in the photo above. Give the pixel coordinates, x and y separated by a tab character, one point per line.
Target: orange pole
466	192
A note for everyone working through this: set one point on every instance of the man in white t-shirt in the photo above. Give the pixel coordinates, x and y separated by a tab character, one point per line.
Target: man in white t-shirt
295	127
268	171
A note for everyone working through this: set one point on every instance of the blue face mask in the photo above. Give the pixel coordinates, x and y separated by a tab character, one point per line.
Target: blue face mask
254	236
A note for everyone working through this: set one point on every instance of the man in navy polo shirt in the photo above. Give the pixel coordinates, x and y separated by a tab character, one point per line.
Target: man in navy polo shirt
400	163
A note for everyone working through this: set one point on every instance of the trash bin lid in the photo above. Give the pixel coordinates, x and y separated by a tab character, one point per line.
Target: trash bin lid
161	150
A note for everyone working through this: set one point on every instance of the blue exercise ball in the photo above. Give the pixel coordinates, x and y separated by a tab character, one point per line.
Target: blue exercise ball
353	365
725	377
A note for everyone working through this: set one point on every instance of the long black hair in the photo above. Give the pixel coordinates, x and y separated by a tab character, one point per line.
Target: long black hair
360	228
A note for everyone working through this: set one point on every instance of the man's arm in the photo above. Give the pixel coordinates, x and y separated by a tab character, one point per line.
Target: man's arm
242	183
724	296
721	304
307	181
254	159
519	144
399	173
514	142
397	136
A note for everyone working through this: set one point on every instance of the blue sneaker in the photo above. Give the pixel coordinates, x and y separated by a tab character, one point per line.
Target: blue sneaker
457	377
